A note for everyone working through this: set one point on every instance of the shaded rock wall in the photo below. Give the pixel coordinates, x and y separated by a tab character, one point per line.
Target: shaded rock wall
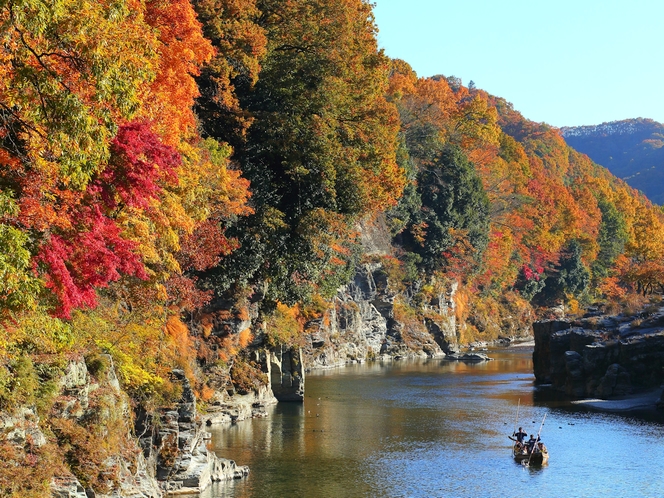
610	359
228	406
287	374
224	408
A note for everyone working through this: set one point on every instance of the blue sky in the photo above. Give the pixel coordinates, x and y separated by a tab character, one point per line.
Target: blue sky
562	62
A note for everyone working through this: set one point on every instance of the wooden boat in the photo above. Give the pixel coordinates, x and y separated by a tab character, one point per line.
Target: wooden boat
539	457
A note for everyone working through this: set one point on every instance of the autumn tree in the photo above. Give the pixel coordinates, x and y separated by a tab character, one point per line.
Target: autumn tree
72	71
104	173
233	28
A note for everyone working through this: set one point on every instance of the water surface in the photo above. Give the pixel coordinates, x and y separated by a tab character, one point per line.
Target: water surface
438	428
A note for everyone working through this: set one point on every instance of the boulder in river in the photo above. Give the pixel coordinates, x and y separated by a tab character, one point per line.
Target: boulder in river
470	357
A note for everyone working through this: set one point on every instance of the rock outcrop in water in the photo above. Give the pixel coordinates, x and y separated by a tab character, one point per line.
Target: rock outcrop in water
284	377
600	356
286	369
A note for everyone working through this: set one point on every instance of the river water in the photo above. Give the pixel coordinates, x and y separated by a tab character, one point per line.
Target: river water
438	429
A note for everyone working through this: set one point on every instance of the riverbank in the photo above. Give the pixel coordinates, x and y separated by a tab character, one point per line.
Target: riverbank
641	401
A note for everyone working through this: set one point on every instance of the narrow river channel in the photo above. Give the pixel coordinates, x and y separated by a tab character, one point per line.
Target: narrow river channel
438	429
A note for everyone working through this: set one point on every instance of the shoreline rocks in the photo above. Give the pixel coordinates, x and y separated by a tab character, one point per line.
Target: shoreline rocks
177	445
225	410
171	456
603	357
371	322
286	368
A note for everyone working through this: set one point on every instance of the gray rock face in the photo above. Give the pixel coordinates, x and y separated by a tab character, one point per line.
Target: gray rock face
542	352
616	382
175	457
226	409
136	478
287	374
363	325
21	425
78	397
468	357
602	361
575	380
67	487
75	390
444	333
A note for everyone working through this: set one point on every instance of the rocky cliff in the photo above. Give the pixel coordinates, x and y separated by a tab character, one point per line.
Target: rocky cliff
177	444
367	322
88	446
370	320
600	356
165	453
284	378
88	432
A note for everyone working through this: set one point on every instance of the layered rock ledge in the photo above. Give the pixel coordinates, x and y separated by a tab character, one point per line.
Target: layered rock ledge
604	357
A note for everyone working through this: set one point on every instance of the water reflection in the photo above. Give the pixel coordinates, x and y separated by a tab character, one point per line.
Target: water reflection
435	428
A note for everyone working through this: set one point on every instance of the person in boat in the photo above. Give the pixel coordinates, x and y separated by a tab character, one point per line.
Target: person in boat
530	444
520	436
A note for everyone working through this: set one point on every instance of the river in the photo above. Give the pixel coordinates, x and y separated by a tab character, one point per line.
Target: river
438	429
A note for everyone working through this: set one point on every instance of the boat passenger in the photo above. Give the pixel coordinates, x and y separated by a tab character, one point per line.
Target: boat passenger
531	443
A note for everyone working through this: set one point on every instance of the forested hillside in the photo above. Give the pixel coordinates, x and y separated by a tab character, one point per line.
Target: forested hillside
630	149
162	159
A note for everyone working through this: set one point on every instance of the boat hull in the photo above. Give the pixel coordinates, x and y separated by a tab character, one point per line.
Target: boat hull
537	458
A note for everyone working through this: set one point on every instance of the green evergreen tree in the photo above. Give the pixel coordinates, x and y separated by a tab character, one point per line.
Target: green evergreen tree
453	202
320	152
569	277
612	238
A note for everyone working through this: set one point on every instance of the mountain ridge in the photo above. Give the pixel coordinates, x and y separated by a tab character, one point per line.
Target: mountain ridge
632	149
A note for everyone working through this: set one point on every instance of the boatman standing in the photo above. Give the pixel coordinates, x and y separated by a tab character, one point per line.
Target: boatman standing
520	436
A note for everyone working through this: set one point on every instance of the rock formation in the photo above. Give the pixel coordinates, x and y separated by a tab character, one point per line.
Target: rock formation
600	356
172	456
287	373
79	401
177	444
364	325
